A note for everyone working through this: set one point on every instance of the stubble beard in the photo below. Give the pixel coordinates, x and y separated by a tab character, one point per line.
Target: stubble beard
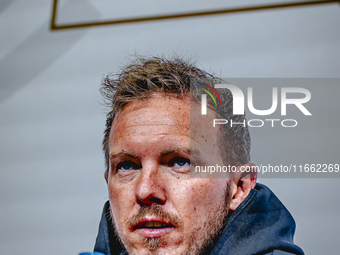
211	228
200	243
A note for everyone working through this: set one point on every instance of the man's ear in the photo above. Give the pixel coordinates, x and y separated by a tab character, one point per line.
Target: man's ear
241	184
106	176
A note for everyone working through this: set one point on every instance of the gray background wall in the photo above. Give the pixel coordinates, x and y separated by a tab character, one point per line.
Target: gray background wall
51	167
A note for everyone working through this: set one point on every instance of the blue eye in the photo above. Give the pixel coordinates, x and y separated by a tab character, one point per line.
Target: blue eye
179	162
127	165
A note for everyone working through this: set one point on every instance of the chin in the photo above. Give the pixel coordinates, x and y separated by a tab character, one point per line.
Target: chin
159	251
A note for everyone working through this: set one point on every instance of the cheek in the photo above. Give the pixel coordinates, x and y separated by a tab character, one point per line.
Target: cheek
197	199
121	200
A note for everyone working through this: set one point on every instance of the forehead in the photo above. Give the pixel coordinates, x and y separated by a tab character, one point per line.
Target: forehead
151	118
157	110
161	123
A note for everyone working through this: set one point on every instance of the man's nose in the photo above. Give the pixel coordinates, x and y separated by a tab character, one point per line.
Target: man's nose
150	186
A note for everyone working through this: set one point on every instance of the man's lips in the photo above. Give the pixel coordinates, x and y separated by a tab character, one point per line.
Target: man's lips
153	227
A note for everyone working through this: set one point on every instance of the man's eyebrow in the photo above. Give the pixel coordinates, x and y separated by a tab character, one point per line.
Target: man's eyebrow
122	153
164	153
180	149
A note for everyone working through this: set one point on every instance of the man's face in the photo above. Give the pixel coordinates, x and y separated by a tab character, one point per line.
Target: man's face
156	207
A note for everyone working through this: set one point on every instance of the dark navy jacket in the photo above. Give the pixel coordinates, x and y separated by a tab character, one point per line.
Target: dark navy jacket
260	225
